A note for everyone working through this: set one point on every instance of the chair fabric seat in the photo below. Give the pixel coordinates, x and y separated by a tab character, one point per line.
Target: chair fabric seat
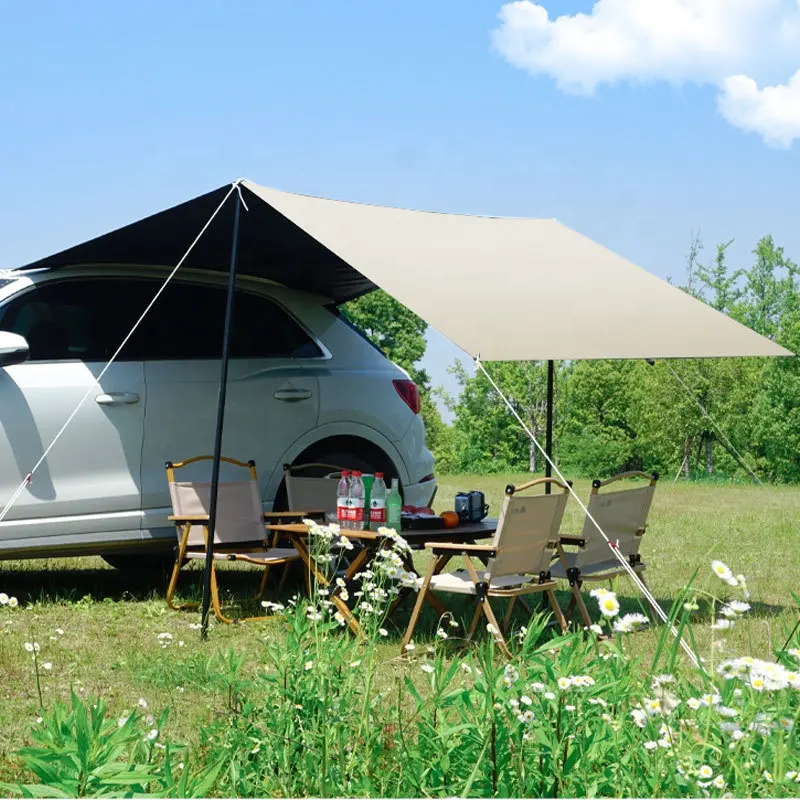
461	583
557	569
271	556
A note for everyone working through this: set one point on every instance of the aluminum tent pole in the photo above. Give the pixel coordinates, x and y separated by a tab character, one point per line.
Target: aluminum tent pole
223	389
548	445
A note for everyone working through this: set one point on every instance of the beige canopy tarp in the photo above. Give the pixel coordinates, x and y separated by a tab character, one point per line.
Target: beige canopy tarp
499	288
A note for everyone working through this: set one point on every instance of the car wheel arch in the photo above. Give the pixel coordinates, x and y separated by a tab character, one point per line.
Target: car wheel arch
345	450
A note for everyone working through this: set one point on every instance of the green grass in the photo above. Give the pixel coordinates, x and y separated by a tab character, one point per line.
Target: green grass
111	620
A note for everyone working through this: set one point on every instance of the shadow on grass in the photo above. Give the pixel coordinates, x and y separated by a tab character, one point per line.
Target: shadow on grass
54	582
43	582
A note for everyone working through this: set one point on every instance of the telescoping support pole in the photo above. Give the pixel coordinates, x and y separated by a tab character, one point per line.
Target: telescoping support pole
223	389
548	445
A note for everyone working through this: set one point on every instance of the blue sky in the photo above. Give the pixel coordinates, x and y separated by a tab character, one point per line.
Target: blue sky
111	111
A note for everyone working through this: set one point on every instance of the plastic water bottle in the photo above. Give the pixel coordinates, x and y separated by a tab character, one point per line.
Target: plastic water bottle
377	503
356	502
394	504
343	501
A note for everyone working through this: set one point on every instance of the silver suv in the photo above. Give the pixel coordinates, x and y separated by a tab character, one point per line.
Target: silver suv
303	386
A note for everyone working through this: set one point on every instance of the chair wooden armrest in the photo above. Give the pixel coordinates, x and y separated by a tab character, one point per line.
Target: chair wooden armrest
443	548
648	476
188	517
569	538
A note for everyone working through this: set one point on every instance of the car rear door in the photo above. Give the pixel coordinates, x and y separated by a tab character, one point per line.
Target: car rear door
272	399
89	484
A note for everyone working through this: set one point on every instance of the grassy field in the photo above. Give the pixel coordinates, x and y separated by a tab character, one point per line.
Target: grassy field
111	620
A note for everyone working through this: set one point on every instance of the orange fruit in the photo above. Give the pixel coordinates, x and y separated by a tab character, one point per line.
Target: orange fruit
450	519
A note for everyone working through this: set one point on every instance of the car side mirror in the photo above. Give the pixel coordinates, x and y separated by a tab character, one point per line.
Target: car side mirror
13	349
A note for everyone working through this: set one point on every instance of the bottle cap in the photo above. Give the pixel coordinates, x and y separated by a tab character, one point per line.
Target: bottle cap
356	473
345	473
379	475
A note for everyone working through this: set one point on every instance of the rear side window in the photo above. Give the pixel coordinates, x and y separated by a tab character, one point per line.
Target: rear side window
187	322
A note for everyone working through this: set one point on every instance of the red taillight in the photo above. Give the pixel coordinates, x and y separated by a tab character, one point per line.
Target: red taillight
409	392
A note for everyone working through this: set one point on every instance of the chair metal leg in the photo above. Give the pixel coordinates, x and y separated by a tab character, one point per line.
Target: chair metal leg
509	612
474	624
173	581
263	584
412	623
556	610
498	636
215	599
576	593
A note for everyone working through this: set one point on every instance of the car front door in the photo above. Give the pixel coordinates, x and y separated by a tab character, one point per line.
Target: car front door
89	485
271	399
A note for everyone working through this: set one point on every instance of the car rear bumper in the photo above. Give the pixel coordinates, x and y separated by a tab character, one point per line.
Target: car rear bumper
420	494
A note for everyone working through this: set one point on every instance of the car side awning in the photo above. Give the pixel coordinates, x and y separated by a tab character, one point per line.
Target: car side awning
499	288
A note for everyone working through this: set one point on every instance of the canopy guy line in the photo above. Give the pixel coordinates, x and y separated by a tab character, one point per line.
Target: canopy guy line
789	518
614	549
29	477
708	416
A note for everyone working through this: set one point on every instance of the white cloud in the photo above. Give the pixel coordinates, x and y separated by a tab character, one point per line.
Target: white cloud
773	112
701	41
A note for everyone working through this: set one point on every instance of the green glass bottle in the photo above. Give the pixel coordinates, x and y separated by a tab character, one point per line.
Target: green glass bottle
394	505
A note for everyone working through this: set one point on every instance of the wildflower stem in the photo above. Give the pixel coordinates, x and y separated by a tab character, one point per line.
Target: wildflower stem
36	671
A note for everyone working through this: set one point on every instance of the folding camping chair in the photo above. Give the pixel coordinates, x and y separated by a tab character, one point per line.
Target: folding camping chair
239	532
518	559
312	486
622	515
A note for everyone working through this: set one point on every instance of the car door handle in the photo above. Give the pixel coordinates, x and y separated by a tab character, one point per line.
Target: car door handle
292	395
117	399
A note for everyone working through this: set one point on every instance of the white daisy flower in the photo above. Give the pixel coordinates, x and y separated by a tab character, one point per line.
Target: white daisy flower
630	623
427	668
721	625
153	734
650	745
722	571
609	605
705	772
